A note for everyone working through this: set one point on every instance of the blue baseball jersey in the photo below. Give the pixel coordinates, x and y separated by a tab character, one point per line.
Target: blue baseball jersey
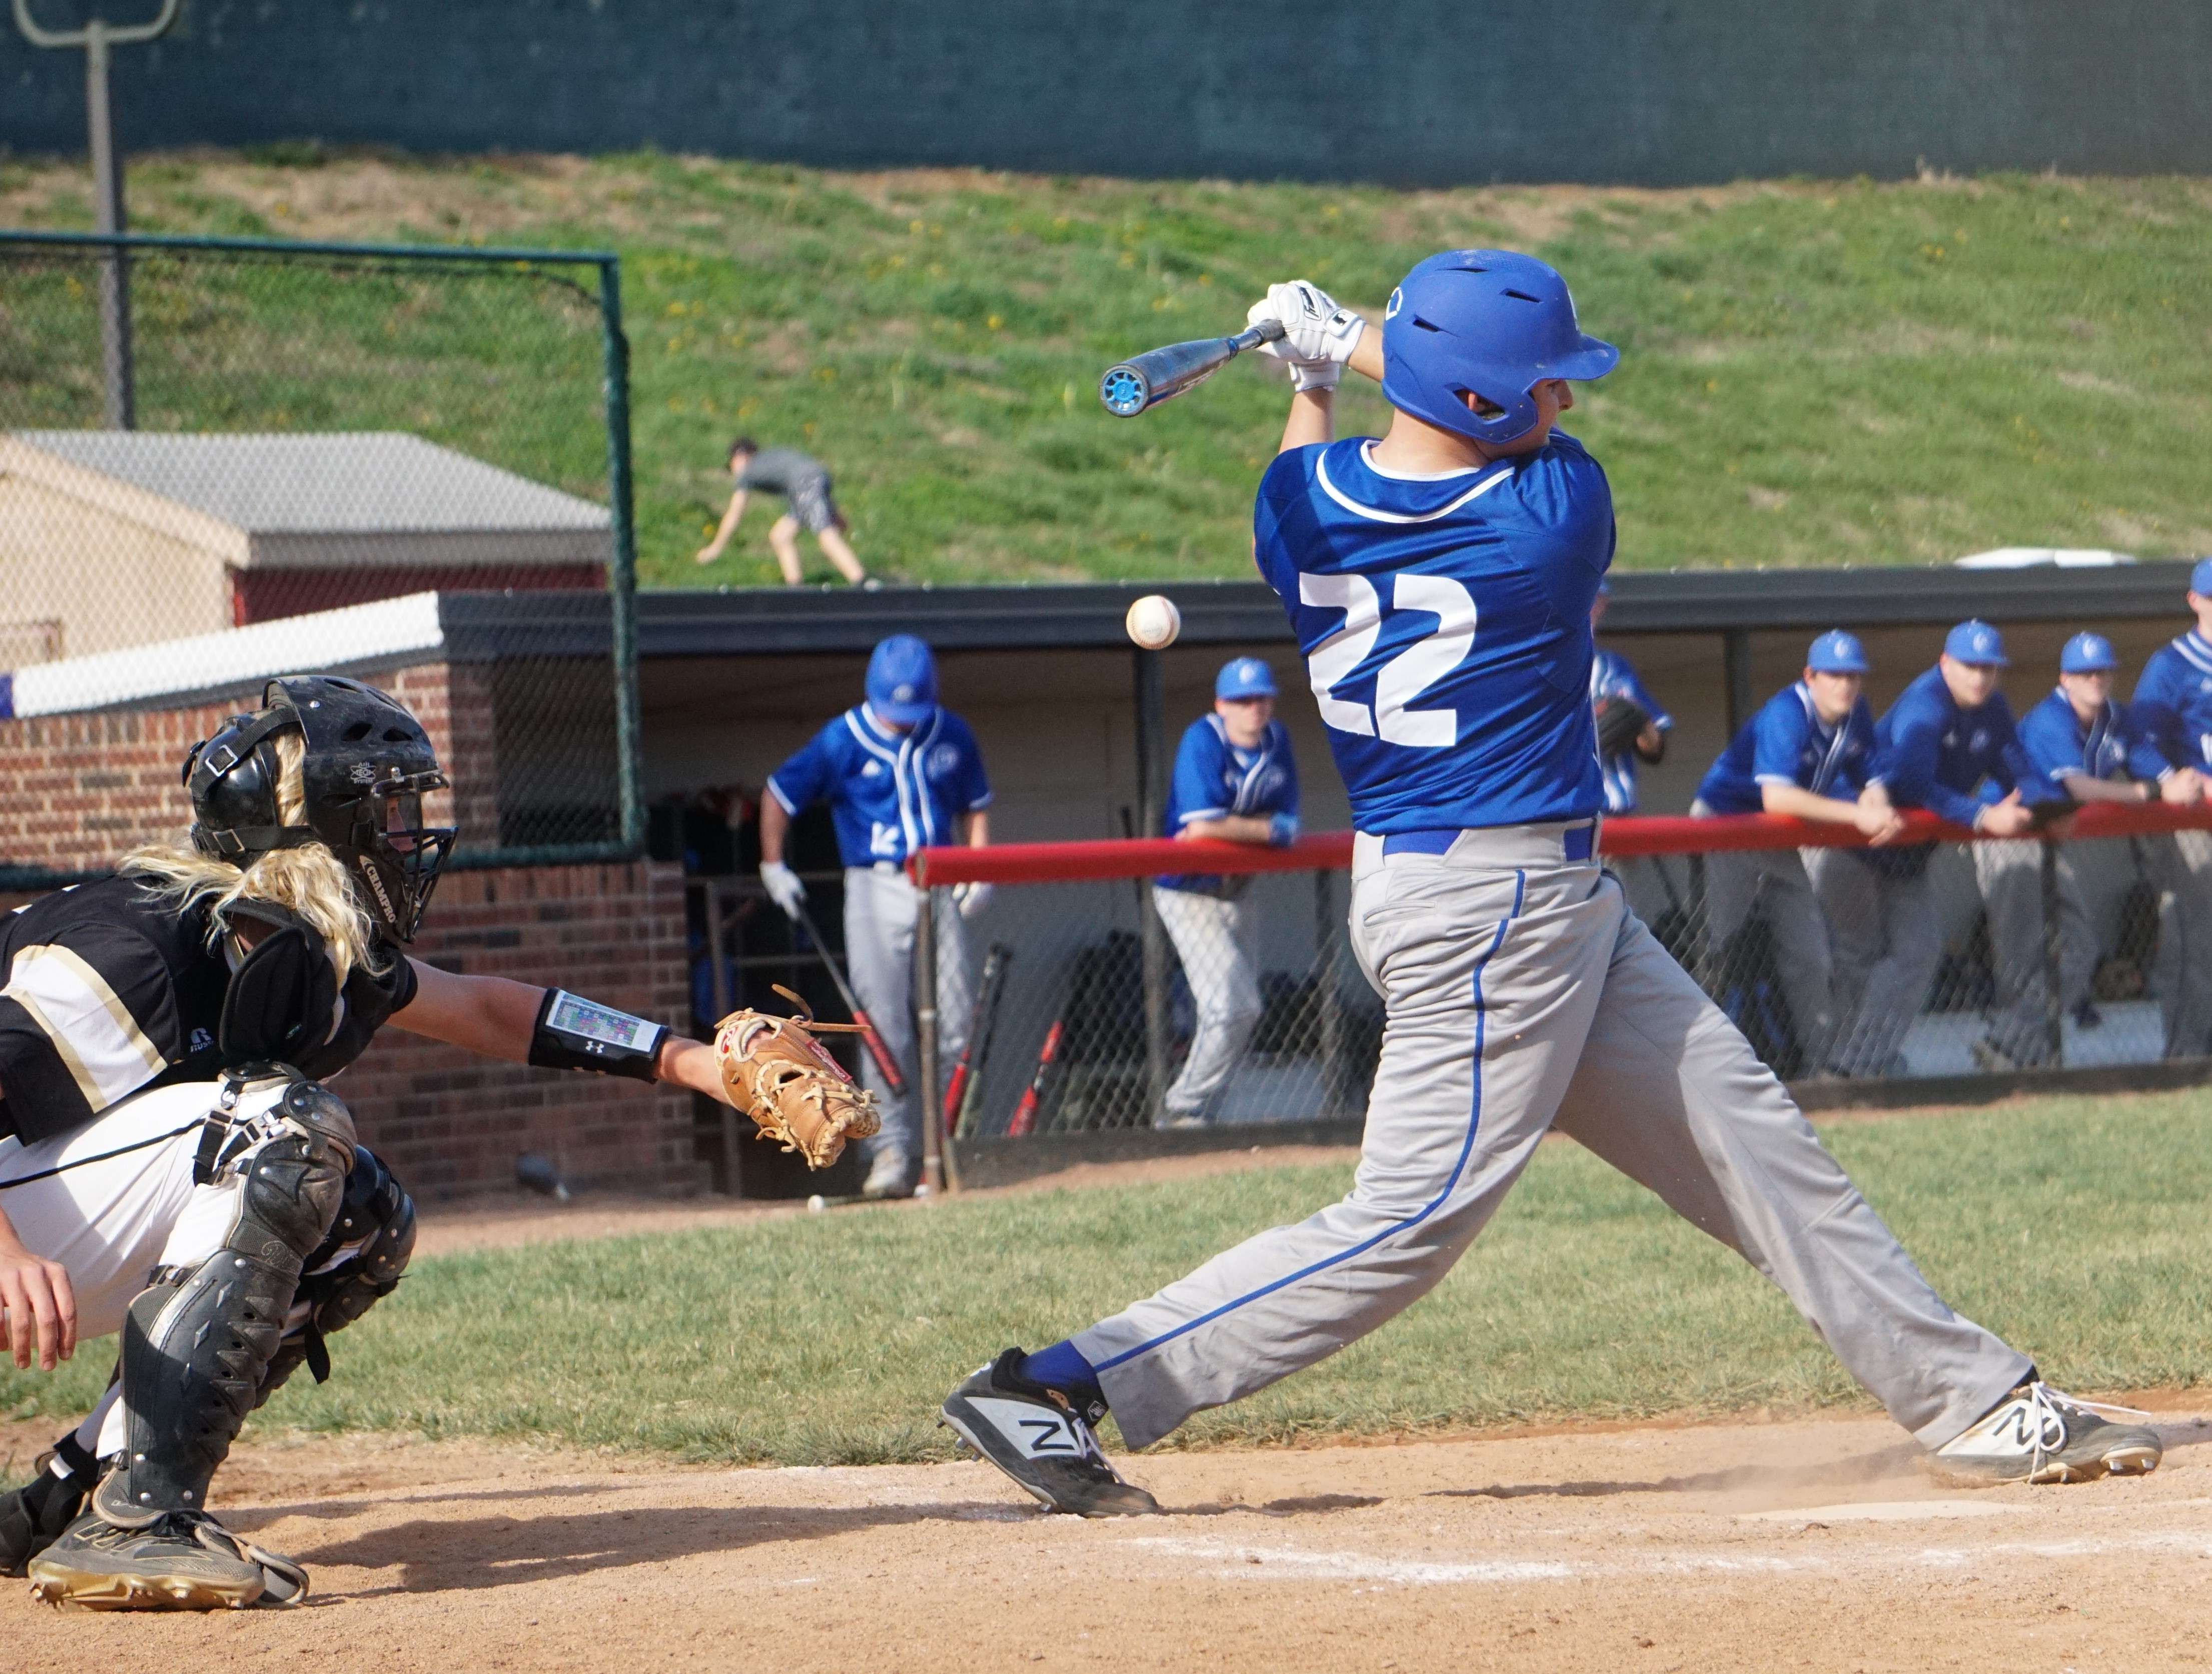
890	793
2057	745
1214	778
1932	754
1444	621
1612	675
1786	743
2174	701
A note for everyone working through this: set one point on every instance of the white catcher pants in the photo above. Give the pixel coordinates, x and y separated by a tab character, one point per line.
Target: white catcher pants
123	1202
1522	995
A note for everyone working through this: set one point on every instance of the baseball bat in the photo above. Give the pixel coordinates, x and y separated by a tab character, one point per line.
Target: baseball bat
979	1018
869	1037
1161	374
1025	1114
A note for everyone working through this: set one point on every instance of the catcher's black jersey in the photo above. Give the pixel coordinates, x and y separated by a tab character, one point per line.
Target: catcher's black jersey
110	989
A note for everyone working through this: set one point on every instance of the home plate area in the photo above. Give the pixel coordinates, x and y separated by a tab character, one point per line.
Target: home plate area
1814	1543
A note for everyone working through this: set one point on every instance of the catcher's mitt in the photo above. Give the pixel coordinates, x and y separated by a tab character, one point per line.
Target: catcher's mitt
1620	723
777	1073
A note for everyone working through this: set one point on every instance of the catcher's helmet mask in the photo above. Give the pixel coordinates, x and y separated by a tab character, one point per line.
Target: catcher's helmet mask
366	765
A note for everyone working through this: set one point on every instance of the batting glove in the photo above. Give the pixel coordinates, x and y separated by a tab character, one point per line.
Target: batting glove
1316	331
971	898
783	887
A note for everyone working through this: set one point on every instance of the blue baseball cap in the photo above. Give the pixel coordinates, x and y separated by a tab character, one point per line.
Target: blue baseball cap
1837	652
903	680
1244	677
2199	578
1976	642
2088	653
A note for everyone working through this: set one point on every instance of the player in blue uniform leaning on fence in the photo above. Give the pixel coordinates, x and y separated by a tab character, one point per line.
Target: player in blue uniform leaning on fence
1946	744
1807	753
1234	780
2174	701
2087	747
900	772
1439	581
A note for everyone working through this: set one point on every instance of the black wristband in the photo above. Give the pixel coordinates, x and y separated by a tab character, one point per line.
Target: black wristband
574	1034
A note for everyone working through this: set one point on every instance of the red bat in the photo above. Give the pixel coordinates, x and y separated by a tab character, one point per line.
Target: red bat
980	1023
869	1037
1026	1113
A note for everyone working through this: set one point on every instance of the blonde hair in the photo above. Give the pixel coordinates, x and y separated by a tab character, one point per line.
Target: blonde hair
309	881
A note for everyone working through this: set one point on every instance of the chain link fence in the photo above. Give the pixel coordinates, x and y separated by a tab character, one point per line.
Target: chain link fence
1110	1003
222	461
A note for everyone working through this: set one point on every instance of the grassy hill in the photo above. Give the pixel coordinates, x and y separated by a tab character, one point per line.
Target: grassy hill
1813	373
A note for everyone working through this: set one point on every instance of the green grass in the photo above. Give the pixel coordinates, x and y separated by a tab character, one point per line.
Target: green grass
1813	373
2077	1228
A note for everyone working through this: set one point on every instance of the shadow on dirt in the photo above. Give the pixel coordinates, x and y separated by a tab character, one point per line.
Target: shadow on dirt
463	1555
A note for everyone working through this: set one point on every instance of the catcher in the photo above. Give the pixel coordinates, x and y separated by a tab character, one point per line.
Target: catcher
172	1166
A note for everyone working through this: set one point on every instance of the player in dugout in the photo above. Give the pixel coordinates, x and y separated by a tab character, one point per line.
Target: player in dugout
2090	748
173	1165
1946	744
900	772
1632	727
804	482
2173	698
1236	781
1807	754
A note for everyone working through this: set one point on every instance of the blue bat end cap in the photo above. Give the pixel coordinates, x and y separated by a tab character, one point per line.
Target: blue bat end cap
1123	388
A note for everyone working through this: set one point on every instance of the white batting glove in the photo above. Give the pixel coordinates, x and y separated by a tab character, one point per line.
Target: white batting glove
1316	331
971	898
783	887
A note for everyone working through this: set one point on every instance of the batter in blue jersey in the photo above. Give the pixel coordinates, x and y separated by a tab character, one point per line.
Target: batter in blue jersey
900	773
1235	781
1438	582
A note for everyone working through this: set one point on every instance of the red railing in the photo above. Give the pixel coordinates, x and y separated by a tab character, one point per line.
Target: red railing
1149	857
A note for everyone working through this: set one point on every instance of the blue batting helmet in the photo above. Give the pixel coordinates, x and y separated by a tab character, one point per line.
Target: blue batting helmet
1487	323
2088	653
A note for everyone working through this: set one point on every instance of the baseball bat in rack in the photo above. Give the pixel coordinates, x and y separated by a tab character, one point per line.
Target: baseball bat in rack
869	1037
1145	380
1024	1118
976	1050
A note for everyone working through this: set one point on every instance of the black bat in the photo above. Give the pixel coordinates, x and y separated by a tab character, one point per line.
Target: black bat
869	1037
1160	374
980	1022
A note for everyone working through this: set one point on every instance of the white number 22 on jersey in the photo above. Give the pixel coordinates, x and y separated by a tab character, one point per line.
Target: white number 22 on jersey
1337	658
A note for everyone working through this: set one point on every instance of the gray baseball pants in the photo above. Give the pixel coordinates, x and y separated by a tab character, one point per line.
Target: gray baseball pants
2010	875
881	911
2181	866
1774	881
1522	995
1887	942
1218	940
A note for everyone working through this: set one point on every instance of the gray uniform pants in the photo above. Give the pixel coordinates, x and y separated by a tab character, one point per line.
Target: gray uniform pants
1522	995
1774	881
881	910
2181	866
2010	878
1216	941
1887	942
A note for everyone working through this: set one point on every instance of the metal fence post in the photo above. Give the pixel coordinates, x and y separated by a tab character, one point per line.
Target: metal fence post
2054	1012
622	571
930	1094
1330	997
1151	800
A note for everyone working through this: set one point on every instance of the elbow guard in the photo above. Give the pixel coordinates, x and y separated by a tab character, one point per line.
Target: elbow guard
574	1034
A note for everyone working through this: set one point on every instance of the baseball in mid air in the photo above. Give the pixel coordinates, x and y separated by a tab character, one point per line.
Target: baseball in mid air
1153	621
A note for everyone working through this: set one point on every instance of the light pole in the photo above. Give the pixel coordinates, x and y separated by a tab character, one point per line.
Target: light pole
96	38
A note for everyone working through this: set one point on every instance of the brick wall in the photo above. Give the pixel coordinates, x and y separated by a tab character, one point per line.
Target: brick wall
451	1122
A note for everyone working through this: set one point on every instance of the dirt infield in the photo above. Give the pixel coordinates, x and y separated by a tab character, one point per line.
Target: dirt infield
1821	1544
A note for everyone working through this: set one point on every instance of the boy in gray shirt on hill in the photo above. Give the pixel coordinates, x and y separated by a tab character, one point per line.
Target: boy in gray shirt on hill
804	480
